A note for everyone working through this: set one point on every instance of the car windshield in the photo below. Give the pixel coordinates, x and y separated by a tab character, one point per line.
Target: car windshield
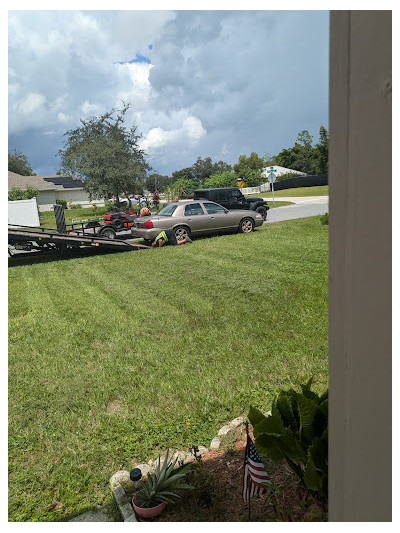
168	210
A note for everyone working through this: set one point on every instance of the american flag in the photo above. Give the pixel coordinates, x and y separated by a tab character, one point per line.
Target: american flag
254	476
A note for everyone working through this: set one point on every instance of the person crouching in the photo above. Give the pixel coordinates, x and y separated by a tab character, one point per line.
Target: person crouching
168	237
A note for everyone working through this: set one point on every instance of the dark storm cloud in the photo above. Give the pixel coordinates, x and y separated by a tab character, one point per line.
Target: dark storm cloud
213	83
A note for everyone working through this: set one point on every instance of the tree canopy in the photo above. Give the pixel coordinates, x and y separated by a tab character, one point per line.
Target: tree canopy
201	170
304	156
249	169
106	155
157	182
18	163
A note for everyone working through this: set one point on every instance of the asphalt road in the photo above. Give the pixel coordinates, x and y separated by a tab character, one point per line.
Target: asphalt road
305	207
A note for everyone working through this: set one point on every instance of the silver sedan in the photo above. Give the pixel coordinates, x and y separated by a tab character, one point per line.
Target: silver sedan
192	218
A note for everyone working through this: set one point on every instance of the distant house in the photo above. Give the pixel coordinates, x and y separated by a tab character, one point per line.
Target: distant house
52	188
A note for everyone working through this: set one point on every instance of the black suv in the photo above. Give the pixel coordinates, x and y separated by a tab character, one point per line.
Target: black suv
232	198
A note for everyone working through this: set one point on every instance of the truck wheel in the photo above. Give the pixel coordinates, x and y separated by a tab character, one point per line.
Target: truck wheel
246	225
263	212
181	232
107	233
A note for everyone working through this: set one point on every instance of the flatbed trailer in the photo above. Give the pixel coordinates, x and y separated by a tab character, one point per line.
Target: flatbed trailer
46	239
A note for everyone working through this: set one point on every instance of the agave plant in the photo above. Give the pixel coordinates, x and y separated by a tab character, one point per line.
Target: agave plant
159	486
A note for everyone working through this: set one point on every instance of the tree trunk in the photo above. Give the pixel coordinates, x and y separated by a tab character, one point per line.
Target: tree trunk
129	200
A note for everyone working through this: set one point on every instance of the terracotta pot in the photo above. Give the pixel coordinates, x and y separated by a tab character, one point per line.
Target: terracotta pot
149	512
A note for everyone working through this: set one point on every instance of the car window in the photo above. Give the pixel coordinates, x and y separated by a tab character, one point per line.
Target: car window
212	209
168	210
236	193
193	210
221	196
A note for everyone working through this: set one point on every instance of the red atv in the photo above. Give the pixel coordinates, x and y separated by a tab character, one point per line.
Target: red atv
116	221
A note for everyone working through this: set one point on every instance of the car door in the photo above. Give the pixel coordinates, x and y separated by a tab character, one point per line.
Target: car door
218	218
196	218
236	200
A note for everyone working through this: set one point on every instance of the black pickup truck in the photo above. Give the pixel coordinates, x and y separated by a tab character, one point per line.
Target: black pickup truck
232	198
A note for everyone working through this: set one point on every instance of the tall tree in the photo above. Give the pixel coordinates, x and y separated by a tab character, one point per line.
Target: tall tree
221	179
106	155
157	182
18	163
201	170
323	150
303	156
249	169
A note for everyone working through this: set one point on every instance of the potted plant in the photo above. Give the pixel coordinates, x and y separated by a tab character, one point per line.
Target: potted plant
157	489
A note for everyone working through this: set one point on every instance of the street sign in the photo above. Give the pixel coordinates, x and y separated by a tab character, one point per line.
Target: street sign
241	184
271	177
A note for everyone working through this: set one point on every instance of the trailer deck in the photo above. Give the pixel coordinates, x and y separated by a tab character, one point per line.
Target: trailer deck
23	237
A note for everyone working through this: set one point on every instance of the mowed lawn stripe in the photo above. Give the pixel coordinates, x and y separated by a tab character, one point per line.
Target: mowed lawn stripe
112	355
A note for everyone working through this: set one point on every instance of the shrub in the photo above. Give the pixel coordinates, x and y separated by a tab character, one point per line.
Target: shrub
297	432
94	207
63	203
22	194
325	219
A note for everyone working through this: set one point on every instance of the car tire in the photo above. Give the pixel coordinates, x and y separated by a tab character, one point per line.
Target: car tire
181	232
246	225
107	233
262	211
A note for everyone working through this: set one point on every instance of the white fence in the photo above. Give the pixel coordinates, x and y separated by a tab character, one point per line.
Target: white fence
264	187
23	213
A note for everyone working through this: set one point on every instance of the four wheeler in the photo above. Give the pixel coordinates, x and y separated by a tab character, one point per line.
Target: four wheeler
116	221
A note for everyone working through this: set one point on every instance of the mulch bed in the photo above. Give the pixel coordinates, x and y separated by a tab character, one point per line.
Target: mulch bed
217	496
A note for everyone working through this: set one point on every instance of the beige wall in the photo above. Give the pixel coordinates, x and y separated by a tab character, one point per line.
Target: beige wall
360	412
46	199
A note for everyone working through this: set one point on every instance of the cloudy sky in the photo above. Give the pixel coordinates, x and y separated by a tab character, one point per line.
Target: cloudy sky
202	83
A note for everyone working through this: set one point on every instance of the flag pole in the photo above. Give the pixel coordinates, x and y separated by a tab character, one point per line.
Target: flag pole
247	434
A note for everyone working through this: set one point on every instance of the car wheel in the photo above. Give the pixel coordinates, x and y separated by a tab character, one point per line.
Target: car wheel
107	233
246	225
263	212
181	232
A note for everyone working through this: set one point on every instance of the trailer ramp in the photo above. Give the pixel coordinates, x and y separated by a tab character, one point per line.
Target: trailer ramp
46	239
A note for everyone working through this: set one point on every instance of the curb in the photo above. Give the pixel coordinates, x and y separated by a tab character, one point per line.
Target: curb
122	476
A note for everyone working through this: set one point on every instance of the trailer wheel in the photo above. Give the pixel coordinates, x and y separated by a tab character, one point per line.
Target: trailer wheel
107	233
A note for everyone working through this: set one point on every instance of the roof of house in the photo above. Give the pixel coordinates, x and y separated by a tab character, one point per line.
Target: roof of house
43	182
278	170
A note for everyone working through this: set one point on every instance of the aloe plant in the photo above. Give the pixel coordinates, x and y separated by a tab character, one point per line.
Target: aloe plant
158	487
297	432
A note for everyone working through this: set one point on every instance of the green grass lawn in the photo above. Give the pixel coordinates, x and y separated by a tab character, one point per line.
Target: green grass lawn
47	219
110	356
279	204
299	191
